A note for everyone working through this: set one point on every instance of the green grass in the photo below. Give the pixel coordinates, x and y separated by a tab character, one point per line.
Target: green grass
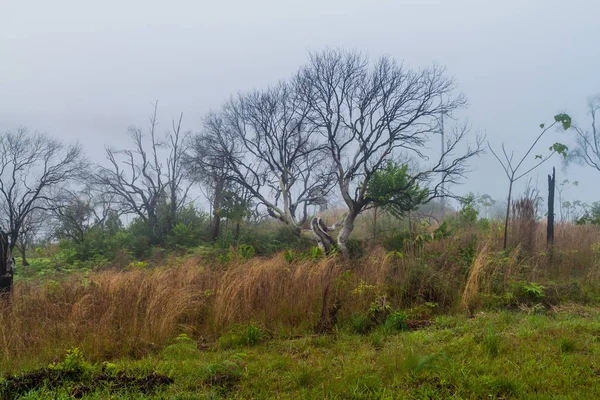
499	355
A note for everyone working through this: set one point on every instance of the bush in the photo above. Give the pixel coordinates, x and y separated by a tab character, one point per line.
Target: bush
397	241
356	248
183	235
360	323
395	322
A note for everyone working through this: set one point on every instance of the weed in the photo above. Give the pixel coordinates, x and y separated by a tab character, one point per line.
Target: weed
289	256
491	343
246	251
567	345
242	335
395	322
360	323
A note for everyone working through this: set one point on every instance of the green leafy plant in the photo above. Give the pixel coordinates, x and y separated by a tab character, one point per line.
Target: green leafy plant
74	361
246	251
289	256
393	189
360	323
533	291
316	253
395	322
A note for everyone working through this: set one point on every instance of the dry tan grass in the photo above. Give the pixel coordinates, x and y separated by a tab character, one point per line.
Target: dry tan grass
480	263
114	314
111	314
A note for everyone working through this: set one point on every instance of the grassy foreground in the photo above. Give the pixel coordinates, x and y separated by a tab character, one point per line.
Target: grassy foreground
497	355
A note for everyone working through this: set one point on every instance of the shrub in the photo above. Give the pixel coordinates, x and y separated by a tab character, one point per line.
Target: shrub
183	235
360	323
356	248
395	322
529	292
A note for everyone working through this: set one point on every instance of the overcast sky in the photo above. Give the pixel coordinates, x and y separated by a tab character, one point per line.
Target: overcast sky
86	70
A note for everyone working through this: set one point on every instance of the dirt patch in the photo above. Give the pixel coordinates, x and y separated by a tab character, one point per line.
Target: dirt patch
80	383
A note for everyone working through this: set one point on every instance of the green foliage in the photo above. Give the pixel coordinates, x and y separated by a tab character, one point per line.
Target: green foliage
527	293
266	240
560	149
289	256
443	231
468	213
234	207
137	265
395	322
316	253
246	251
183	235
356	248
491	343
74	361
360	323
183	348
395	190
567	345
415	364
467	252
532	291
564	119
243	335
397	241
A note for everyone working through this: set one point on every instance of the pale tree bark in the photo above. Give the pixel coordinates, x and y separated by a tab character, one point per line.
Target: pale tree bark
369	114
272	153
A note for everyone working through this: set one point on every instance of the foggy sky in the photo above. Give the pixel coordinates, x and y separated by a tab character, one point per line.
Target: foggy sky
83	70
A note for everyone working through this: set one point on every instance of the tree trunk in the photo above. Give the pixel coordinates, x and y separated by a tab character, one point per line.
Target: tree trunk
23	251
551	186
344	234
507	214
6	273
237	231
374	224
321	235
216	225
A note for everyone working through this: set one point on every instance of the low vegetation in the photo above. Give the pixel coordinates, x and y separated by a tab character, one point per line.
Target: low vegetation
445	313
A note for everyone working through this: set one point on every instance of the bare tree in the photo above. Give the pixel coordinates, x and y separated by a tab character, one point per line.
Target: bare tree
206	161
562	187
77	212
370	115
31	167
31	228
138	179
512	168
179	178
587	150
271	152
